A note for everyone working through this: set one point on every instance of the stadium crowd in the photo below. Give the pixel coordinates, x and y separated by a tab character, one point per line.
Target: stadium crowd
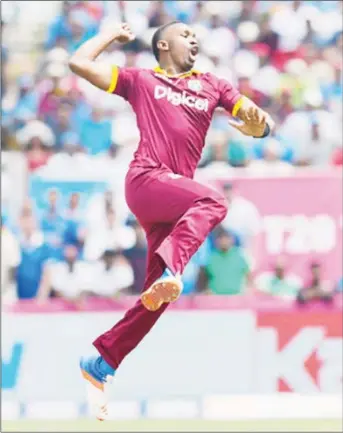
286	56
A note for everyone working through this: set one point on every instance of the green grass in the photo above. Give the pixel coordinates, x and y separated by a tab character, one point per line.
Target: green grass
173	425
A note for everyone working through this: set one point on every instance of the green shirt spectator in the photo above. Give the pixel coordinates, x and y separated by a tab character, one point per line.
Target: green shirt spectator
227	271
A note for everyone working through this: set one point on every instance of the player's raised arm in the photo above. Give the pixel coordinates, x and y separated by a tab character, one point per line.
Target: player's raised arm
83	61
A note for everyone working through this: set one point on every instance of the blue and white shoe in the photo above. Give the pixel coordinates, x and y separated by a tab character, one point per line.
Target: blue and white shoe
165	290
97	374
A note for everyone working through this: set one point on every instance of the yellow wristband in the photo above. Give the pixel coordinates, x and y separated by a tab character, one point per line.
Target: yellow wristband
237	106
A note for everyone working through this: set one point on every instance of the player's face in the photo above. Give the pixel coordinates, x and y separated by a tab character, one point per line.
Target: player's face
182	45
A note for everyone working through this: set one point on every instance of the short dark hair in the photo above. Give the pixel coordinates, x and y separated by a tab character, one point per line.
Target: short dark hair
157	37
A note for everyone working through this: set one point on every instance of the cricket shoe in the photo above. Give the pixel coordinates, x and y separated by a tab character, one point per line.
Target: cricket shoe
97	374
165	290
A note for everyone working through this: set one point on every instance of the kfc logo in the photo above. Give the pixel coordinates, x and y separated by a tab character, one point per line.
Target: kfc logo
298	356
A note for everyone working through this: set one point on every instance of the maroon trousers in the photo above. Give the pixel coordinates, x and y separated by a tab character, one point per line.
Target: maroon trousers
177	214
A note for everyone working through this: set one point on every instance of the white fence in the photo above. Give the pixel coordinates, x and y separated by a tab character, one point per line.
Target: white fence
220	364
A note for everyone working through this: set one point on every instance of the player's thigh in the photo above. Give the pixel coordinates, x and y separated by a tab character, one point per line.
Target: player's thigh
164	198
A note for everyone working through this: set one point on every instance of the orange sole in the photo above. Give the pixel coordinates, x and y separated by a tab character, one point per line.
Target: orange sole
159	293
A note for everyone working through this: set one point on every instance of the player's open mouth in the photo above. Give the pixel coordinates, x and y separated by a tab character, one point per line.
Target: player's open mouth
194	51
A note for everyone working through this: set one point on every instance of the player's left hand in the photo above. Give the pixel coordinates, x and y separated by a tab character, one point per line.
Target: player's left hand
252	121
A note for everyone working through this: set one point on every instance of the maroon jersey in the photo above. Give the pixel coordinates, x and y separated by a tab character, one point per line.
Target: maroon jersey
173	113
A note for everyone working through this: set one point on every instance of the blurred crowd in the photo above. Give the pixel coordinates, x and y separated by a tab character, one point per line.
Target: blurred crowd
285	55
66	251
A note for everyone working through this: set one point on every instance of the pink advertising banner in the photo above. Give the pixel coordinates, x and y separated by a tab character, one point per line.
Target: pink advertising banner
301	220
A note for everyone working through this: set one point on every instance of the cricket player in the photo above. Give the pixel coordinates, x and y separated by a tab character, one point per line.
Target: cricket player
174	105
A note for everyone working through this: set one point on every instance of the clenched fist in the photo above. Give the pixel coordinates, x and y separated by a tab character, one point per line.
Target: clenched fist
119	32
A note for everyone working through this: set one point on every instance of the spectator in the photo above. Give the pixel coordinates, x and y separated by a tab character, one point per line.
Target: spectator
58	56
247	11
137	256
191	272
37	140
53	224
112	275
279	282
98	207
271	163
268	36
216	162
38	154
96	135
312	132
58	30
219	152
35	254
333	90
108	235
72	27
286	152
243	218
73	211
179	10
68	278
291	36
101	203
53	90
223	41
157	14
246	89
283	107
74	231
61	124
94	8
10	260
316	288
227	271
26	104
81	109
28	208
81	28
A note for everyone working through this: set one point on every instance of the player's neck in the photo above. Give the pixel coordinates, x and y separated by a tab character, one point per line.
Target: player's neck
172	70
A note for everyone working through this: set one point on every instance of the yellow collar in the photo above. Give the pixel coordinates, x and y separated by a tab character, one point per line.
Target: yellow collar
159	70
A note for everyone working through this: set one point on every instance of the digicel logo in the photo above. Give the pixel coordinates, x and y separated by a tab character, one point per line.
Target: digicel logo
183	98
300	354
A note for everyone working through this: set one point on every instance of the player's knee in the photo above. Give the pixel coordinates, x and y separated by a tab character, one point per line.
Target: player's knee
220	206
